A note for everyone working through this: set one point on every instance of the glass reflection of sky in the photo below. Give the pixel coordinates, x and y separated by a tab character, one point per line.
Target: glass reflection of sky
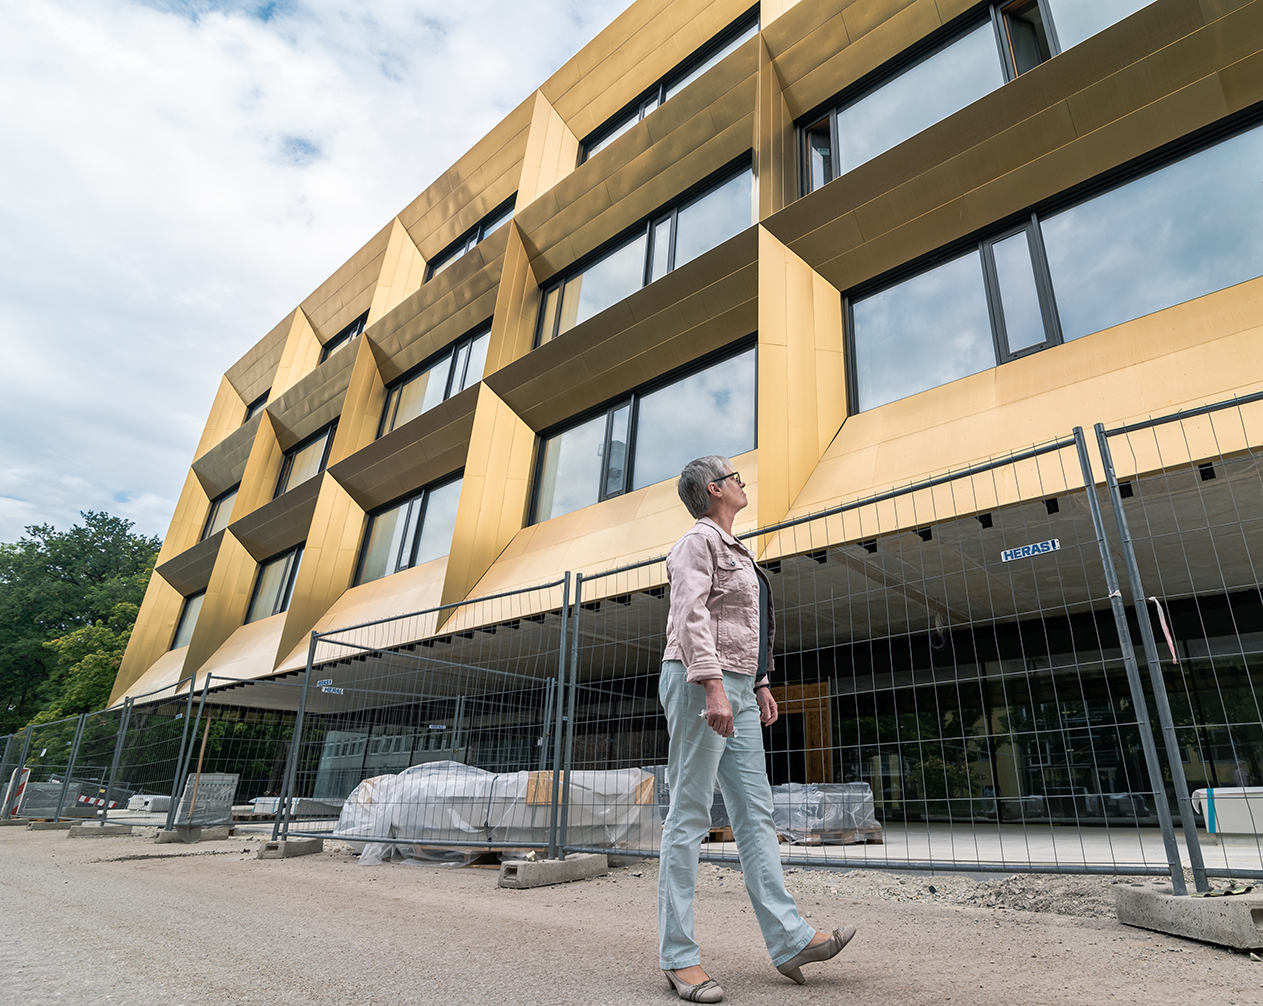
571	477
711	412
1193	227
1076	20
606	282
919	97
714	218
928	330
440	519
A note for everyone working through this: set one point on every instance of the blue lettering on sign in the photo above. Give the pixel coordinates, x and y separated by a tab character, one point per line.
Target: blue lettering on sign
324	681
333	691
1026	551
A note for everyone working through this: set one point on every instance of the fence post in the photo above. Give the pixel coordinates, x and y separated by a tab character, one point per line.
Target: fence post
569	721
180	759
4	760
70	765
1133	672
21	763
295	749
558	696
1156	678
119	741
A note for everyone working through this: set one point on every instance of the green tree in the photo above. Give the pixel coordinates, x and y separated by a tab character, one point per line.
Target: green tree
80	588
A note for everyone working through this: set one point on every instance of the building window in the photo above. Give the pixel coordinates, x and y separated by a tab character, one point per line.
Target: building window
409	533
220	513
274	585
489	224
188	619
741	30
1170	235
459	367
255	407
923	86
307	460
648	436
352	330
651	250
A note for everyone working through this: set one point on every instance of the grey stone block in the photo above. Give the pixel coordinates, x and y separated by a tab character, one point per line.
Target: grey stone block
99	830
14	822
50	825
290	847
521	873
193	833
1235	921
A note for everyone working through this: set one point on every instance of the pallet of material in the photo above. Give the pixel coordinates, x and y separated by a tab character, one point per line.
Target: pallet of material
842	836
719	835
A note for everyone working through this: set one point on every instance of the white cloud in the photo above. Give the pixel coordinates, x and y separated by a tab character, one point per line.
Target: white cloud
177	176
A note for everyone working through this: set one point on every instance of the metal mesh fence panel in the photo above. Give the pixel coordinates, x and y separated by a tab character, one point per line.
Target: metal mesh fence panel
1187	494
434	730
950	678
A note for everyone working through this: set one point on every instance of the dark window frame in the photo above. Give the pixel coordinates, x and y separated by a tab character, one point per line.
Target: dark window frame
920	51
657	93
257	406
645	226
293	558
287	464
213	511
424	495
470	240
393	390
1138	167
632	398
184	611
351	331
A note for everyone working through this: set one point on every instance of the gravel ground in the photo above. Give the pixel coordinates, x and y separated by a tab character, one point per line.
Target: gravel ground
122	920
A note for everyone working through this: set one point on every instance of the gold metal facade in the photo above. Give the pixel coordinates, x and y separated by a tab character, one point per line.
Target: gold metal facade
1171	69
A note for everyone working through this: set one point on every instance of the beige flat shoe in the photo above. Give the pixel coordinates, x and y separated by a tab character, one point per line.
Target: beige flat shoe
821	952
707	992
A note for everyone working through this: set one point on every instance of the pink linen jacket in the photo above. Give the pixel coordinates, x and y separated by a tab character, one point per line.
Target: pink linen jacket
713	621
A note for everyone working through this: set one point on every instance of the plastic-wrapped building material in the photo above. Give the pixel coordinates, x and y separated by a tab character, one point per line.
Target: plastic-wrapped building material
833	813
612	808
442	802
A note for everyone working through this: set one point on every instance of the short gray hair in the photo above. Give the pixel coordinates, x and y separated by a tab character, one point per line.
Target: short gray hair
695	478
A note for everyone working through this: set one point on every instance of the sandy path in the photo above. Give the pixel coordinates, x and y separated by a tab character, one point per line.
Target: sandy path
125	921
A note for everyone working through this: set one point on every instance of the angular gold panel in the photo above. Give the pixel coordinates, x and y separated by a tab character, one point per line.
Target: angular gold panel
362	407
151	638
225	416
551	152
802	374
328	565
300	356
263	468
775	147
493	497
403	272
227	601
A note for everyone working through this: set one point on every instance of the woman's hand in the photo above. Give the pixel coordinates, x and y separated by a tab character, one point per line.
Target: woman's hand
767	706
718	709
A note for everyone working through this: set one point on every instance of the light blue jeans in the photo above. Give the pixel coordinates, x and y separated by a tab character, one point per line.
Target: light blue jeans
697	756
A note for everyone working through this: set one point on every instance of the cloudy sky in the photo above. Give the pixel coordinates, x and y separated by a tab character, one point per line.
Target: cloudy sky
176	176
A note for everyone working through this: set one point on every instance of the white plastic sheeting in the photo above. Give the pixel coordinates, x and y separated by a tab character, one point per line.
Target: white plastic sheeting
804	811
447	802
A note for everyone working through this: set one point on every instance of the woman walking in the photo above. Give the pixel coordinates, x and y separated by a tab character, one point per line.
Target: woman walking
715	693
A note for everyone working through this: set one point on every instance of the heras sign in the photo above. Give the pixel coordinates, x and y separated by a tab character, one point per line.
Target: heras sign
1026	551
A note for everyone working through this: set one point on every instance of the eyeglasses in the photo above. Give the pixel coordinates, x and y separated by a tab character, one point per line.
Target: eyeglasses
730	475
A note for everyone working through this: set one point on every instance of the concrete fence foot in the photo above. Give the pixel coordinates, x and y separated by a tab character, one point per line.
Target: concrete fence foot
1235	921
519	874
99	831
288	848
